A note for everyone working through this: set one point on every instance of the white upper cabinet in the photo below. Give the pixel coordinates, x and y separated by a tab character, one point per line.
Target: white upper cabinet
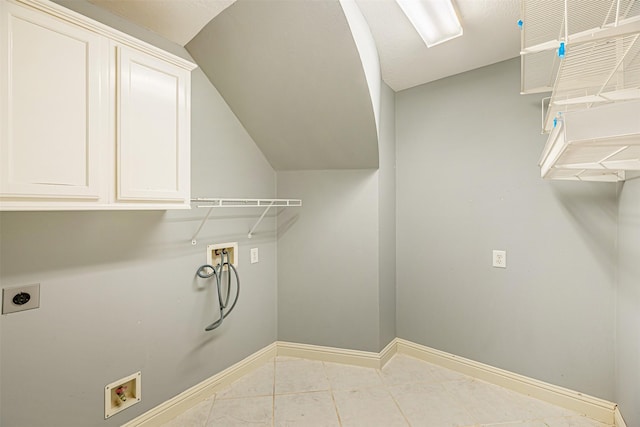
152	123
90	118
52	75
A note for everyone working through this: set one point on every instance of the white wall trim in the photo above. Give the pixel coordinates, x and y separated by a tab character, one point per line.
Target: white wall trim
365	359
619	421
598	409
592	407
175	406
388	352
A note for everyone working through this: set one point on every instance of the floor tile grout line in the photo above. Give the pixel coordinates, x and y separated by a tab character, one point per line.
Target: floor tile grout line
273	393
443	383
333	398
245	396
386	387
213	400
398	406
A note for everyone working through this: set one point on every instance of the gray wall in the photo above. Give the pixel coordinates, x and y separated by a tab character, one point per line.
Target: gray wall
118	292
468	183
628	309
327	259
387	217
336	254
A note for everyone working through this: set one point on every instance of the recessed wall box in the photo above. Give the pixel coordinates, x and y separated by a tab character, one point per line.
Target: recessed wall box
121	394
214	253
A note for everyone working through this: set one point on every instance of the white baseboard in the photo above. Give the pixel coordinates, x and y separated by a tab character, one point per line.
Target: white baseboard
619	421
388	352
589	406
175	406
365	359
598	409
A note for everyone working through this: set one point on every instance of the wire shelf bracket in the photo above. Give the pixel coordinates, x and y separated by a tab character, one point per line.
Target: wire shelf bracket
211	203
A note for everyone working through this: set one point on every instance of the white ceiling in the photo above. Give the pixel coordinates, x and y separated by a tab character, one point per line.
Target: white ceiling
490	33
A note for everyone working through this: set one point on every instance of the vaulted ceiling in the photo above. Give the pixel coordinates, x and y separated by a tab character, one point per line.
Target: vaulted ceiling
293	72
490	33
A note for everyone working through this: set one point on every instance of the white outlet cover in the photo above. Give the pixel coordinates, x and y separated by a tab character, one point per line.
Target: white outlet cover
254	255
500	259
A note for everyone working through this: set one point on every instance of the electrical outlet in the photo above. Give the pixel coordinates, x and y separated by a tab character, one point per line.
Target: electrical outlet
254	255
20	298
500	259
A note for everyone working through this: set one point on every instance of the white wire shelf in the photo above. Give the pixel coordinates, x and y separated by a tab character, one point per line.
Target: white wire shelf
211	203
546	25
203	202
594	73
538	71
587	53
586	175
597	144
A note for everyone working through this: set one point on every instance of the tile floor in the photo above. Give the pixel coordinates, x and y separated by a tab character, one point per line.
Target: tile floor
406	392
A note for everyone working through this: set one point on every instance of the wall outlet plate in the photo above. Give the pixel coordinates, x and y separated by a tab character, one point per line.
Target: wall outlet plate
20	298
254	255
500	259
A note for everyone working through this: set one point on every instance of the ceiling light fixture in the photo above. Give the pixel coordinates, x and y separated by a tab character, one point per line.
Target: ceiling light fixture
435	20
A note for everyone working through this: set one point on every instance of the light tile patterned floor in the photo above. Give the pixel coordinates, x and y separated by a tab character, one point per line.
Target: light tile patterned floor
407	392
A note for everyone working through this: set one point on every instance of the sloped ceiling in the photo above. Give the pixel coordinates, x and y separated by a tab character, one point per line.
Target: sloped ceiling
291	73
290	70
490	35
176	20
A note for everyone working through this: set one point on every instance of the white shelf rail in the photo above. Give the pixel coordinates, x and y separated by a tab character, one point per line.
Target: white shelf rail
587	54
595	144
596	73
211	203
554	25
546	24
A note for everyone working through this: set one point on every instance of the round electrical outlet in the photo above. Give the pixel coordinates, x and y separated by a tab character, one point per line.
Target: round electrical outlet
21	298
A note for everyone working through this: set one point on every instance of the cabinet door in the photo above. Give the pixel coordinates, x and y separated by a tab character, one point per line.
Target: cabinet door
52	77
153	129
